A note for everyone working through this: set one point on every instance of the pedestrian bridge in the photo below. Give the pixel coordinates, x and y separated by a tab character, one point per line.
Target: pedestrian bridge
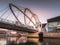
19	26
11	25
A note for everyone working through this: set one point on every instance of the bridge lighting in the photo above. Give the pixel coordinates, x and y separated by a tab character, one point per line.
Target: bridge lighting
13	32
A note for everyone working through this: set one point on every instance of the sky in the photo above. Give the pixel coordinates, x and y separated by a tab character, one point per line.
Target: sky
45	9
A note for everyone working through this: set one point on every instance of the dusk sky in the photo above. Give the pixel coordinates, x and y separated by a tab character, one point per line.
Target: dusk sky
45	9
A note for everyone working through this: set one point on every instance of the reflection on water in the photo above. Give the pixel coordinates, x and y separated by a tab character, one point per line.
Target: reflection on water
51	42
2	42
29	41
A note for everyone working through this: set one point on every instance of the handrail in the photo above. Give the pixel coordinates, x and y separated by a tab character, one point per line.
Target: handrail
7	21
14	23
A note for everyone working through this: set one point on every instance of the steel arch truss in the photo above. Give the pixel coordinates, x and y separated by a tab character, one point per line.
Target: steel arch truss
38	23
25	15
10	6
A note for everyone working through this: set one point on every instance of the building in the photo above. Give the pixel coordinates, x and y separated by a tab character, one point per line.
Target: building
44	27
53	24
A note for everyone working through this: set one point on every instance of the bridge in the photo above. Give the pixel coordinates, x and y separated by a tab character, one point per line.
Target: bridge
7	24
11	25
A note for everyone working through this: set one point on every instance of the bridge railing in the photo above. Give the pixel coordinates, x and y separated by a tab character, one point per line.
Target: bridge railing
14	23
7	21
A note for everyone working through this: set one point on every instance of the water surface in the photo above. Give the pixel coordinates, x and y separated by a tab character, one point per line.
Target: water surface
29	41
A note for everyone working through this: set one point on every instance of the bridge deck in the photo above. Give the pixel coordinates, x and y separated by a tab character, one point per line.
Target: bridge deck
17	28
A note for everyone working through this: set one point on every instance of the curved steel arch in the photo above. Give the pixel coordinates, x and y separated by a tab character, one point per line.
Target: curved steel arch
10	6
34	16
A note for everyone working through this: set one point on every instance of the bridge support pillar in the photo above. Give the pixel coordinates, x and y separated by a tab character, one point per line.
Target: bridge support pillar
41	36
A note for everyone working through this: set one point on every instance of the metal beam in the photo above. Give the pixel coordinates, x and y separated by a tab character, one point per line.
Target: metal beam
17	28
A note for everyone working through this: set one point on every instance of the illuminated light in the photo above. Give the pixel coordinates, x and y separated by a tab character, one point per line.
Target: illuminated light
13	32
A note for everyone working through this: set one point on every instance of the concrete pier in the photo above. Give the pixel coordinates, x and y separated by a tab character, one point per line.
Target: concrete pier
51	35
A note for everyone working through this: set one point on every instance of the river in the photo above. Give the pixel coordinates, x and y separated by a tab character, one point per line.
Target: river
28	41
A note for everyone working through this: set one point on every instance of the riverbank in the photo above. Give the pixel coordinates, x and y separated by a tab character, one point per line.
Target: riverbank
52	35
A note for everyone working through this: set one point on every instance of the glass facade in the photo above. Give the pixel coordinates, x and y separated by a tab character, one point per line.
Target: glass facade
52	26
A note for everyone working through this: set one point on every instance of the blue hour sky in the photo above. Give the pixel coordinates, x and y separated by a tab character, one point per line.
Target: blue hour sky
45	9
